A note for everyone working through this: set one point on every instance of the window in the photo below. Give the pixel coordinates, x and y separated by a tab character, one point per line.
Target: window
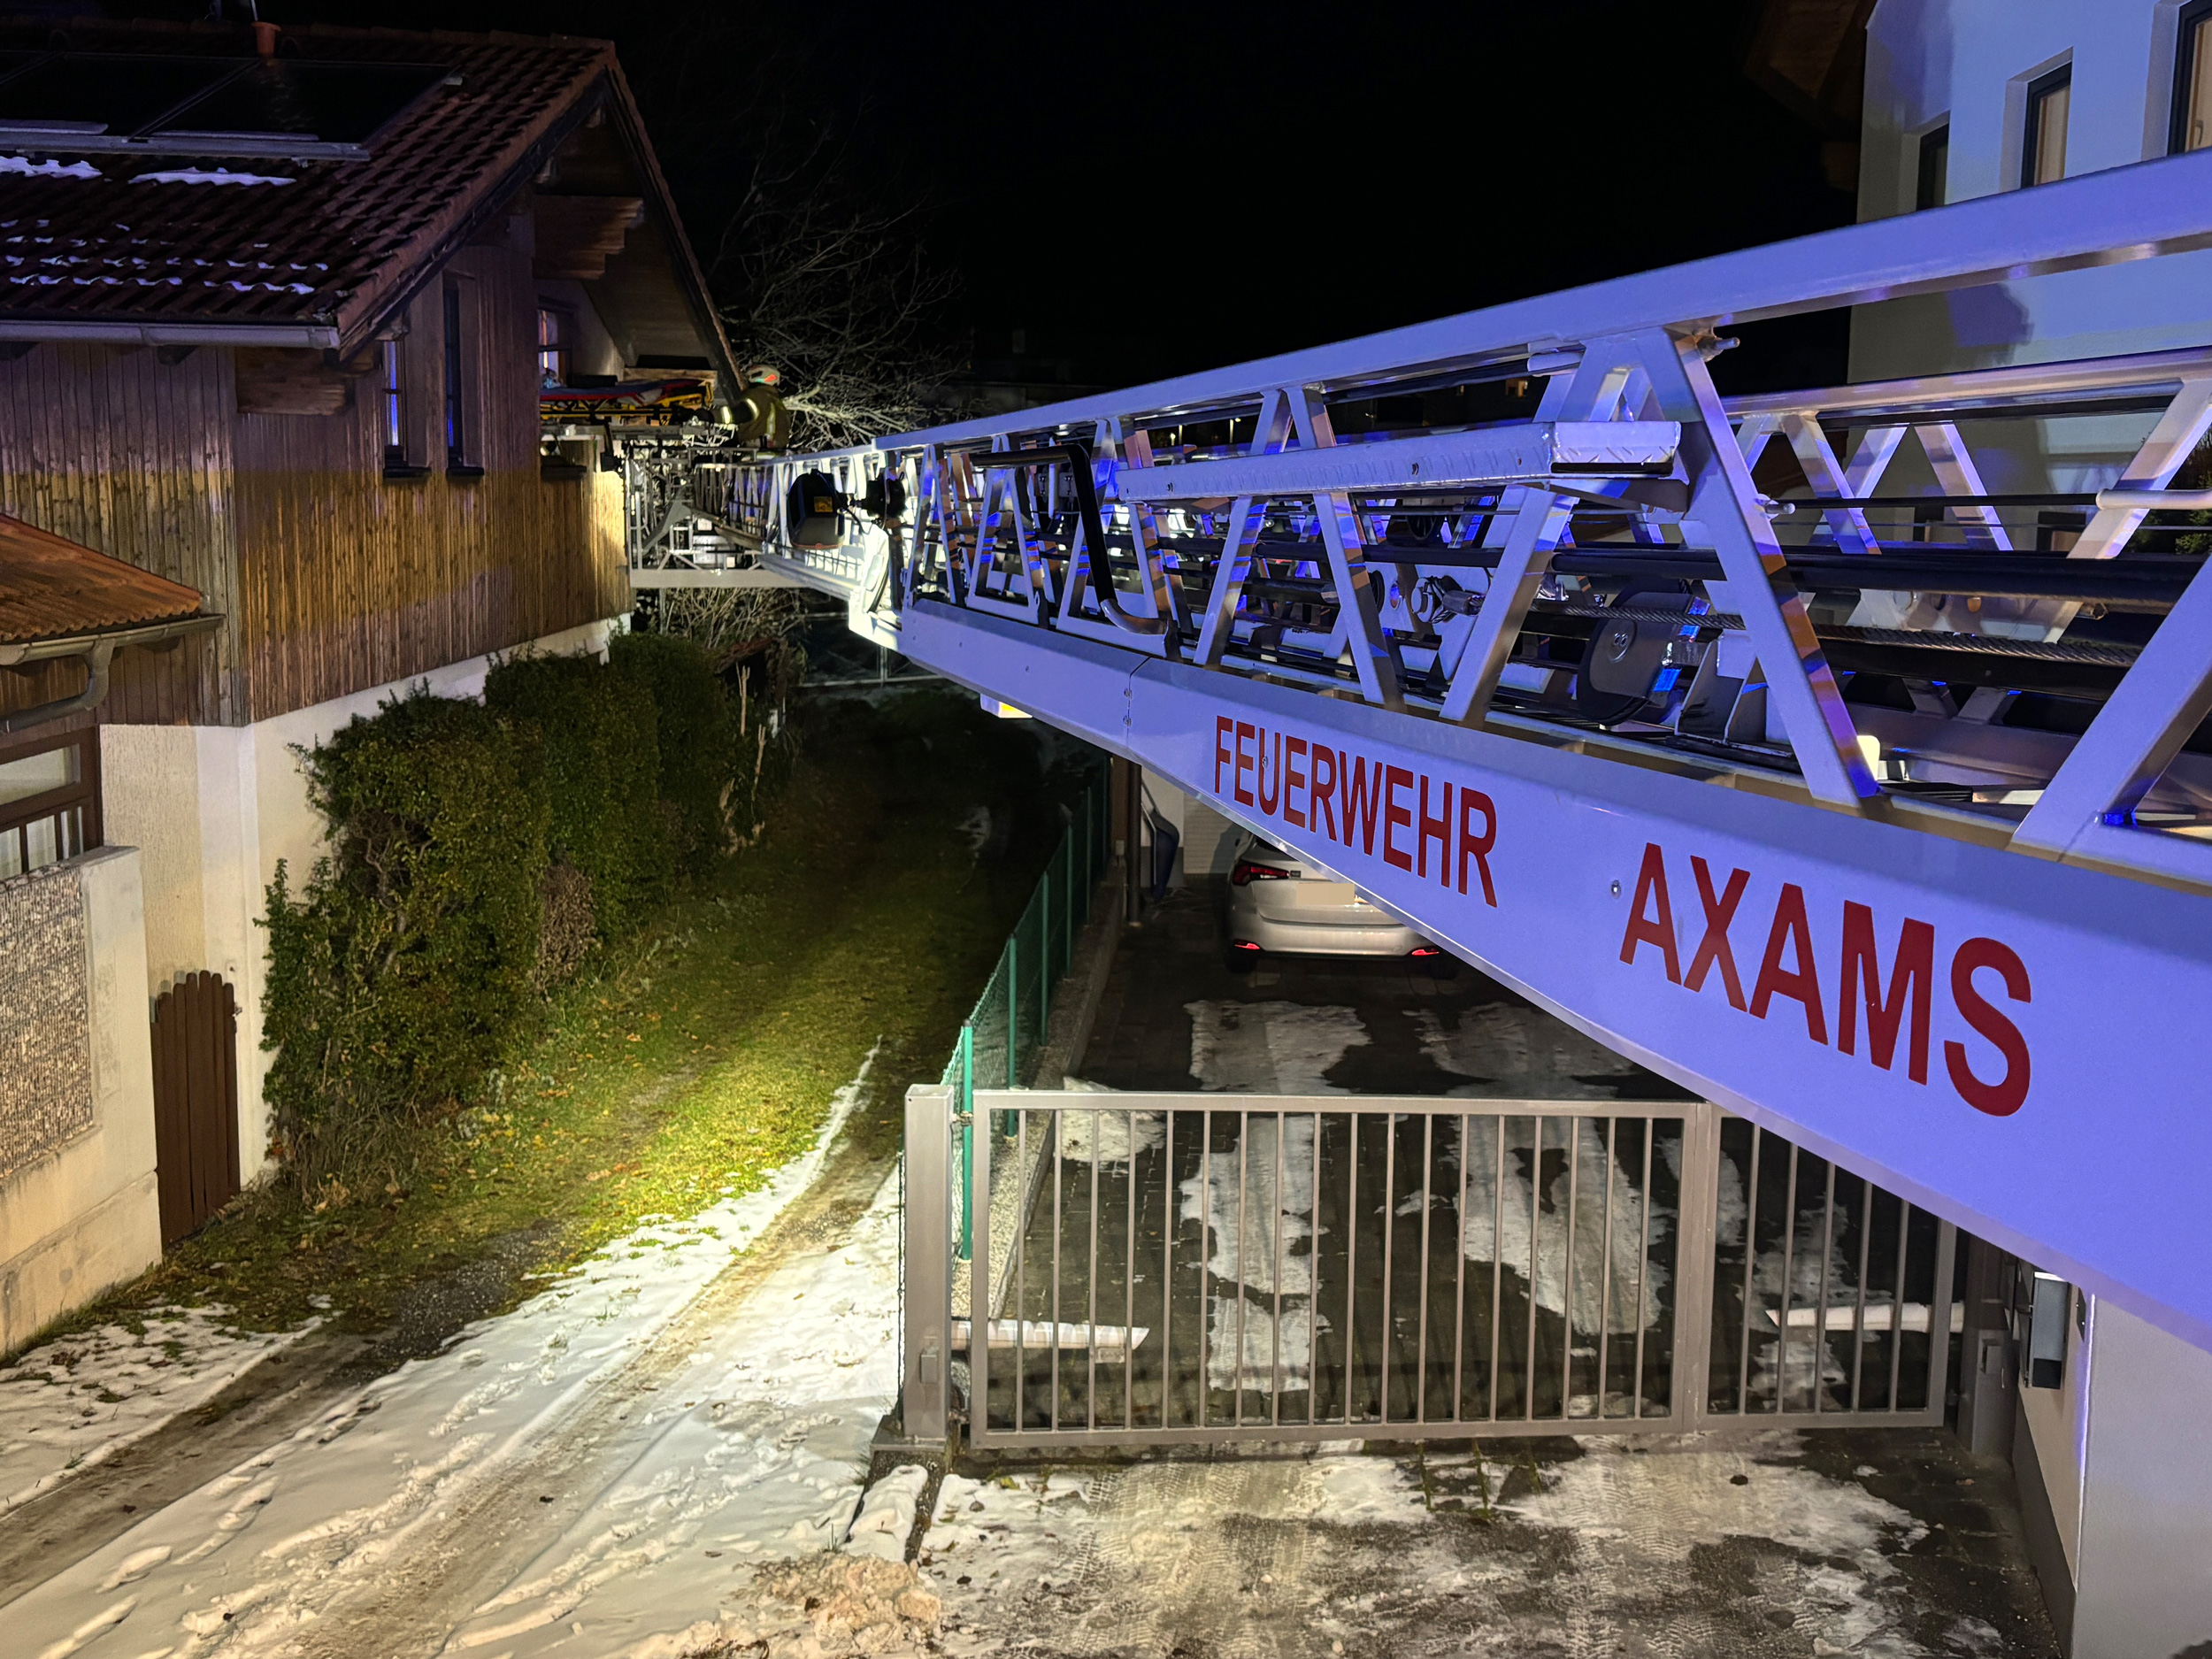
457	433
2043	147
2192	79
553	331
1929	190
392	401
50	800
463	443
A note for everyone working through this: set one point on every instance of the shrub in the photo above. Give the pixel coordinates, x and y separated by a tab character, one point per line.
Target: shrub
400	971
567	929
601	754
477	852
692	718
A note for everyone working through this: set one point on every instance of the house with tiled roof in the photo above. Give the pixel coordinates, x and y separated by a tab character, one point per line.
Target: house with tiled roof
276	310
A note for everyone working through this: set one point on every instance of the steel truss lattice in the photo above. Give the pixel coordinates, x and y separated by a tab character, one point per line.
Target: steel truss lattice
1175	570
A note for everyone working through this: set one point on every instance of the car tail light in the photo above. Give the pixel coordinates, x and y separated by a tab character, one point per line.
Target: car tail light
1426	950
1247	872
1242	944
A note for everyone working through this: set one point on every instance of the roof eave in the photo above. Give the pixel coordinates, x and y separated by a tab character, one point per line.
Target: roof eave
376	302
112	332
16	653
689	276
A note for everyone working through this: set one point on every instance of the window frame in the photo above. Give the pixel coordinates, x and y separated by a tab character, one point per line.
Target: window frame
1934	139
391	400
2188	22
2037	92
557	340
401	400
82	797
461	421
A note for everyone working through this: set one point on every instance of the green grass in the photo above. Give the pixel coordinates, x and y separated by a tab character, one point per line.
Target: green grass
690	1061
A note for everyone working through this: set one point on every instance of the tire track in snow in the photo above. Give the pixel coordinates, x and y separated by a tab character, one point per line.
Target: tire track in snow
371	1529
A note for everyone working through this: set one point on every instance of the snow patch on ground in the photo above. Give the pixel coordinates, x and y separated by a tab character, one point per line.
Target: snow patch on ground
1158	1557
1274	1048
1510	1049
1259	1247
1666	1499
1239	1326
887	1514
1260	1238
754	1440
1503	1218
760	1458
69	1404
1108	1137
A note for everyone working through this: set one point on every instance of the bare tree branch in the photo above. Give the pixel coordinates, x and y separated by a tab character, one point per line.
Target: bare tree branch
830	284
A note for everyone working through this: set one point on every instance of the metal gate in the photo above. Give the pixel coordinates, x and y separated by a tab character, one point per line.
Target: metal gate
1151	1269
196	1101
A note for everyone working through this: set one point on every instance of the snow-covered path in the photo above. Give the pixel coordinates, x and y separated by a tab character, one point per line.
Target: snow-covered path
555	1481
71	1404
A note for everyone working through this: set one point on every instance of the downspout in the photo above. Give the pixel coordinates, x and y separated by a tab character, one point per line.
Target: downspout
95	693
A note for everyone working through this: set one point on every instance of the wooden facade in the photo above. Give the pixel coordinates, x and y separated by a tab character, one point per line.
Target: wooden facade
332	577
132	455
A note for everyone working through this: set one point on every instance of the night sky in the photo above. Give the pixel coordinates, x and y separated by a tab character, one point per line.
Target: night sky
1143	191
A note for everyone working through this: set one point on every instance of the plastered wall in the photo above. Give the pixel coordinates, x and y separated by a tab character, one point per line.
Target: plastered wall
212	809
1968	63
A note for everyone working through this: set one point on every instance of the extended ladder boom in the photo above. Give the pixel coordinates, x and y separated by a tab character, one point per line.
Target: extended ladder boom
1763	739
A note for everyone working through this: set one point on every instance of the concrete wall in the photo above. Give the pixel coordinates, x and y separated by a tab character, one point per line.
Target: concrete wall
79	1209
2144	1566
1969	62
213	810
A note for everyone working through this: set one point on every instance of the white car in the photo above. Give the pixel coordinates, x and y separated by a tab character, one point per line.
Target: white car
1280	902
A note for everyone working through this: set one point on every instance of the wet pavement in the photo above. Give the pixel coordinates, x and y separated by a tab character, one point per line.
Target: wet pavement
1876	1542
1174	1016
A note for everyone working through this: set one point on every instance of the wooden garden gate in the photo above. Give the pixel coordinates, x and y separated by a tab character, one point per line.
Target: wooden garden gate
196	1101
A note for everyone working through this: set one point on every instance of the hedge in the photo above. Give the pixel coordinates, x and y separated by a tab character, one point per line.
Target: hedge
599	736
473	850
692	716
398	975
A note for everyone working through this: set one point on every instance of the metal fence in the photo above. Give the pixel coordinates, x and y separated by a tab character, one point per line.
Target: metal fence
1000	1039
1828	1292
1158	1268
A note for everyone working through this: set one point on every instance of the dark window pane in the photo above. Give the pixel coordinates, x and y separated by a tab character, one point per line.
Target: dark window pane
2043	148
1935	166
456	438
2192	79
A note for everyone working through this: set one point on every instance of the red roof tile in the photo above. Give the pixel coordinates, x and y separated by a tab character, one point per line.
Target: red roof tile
52	588
334	246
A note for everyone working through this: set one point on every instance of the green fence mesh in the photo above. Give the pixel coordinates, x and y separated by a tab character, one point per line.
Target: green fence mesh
1001	1037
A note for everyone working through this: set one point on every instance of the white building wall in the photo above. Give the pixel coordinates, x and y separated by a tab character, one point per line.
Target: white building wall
213	807
2144	1568
1969	62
